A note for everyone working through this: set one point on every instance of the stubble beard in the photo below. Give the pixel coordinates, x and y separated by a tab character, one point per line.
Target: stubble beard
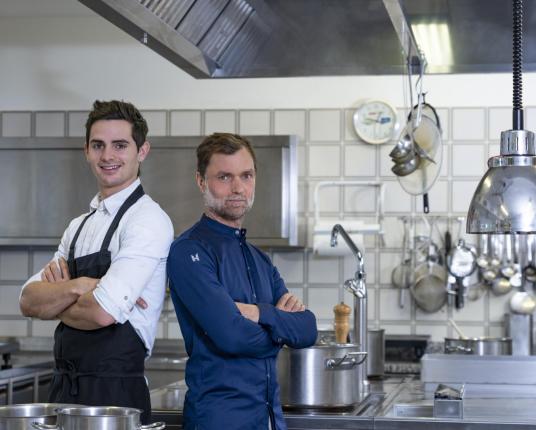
217	206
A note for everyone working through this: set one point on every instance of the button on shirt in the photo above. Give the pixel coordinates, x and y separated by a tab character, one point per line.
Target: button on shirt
231	373
138	248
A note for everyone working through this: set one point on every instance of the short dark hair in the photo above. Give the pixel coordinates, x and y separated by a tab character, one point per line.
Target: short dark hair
221	143
118	109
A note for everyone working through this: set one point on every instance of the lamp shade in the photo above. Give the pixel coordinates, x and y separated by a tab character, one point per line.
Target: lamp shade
505	199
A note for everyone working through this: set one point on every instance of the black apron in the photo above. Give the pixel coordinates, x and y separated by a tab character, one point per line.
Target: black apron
102	367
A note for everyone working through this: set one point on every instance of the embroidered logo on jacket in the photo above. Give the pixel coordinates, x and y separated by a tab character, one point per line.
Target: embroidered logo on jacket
195	257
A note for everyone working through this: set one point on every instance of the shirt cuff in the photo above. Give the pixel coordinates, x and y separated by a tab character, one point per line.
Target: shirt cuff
268	317
107	303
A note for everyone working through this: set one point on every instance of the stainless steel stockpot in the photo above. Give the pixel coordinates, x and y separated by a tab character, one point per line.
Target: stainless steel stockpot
21	417
321	376
99	418
479	346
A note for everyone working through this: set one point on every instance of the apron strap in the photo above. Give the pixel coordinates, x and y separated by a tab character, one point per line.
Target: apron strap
73	374
133	198
75	238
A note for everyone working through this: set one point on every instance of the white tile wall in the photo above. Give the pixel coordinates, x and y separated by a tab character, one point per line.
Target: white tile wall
328	149
325	125
444	122
530	119
9	295
290	122
469	160
462	193
290	266
16	124
390	308
472	311
438	197
157	122
469	124
360	199
322	270
360	160
349	131
11	328
302	161
13	265
43	328
49	124
324	160
77	124
328	198
253	122
222	120
500	119
396	199
396	328
321	302
437	332
185	123
40	259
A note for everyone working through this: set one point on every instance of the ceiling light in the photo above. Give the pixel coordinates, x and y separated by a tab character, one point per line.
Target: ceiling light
434	40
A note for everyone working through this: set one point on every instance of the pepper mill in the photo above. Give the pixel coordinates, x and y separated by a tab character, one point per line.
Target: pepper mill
342	322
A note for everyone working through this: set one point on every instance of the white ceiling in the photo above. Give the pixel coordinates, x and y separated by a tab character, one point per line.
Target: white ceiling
41	8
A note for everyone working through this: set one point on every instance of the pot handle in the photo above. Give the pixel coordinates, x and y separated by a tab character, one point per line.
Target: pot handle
160	425
41	426
458	348
348	361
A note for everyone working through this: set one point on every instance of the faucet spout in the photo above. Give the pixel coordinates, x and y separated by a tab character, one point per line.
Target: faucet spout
357	286
360	275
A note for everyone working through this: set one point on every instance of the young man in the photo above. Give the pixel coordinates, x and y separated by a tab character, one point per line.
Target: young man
106	282
234	310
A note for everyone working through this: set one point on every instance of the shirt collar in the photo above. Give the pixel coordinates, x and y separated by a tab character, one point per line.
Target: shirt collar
222	228
113	203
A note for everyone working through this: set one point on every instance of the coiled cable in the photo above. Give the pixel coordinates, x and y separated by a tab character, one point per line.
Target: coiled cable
518	64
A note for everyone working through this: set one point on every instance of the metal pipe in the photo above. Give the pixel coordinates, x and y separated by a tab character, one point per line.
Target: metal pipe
357	286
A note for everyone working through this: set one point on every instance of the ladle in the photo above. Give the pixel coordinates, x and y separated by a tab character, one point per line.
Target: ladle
458	329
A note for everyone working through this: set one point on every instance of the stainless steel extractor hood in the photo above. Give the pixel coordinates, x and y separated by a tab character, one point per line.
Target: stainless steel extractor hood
276	38
48	169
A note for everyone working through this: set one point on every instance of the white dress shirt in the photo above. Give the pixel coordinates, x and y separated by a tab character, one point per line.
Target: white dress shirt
139	250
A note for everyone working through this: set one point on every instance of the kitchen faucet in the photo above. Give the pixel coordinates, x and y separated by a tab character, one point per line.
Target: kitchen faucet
358	288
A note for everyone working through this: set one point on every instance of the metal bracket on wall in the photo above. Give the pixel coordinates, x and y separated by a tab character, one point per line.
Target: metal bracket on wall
413	54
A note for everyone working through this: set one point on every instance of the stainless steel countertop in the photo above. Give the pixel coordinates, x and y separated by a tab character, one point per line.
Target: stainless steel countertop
377	410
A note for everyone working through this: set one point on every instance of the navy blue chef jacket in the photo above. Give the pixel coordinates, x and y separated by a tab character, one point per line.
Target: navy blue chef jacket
231	373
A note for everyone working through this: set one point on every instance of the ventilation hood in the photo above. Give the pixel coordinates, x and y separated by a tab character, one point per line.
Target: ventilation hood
283	38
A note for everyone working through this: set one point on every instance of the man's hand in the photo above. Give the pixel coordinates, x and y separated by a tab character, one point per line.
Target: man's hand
251	312
54	273
142	303
289	303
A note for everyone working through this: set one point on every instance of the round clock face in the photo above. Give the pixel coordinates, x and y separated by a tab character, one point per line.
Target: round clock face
375	121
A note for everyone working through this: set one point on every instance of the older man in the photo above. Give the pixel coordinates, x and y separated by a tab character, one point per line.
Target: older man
234	310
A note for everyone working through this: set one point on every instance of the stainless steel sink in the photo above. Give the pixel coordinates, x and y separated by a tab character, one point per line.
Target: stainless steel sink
413	410
169	397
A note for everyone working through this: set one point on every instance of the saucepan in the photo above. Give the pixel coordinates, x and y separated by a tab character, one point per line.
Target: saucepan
99	418
21	417
479	346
